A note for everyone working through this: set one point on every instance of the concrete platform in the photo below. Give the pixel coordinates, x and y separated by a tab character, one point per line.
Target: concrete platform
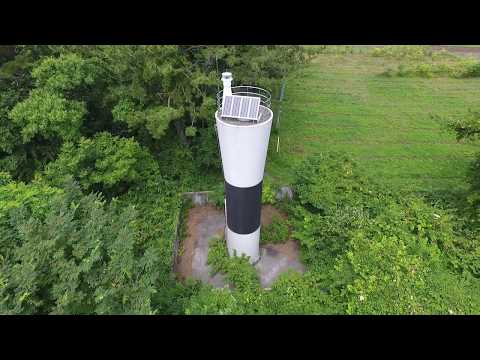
275	260
205	222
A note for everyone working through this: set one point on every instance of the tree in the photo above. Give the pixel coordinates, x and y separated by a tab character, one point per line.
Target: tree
105	163
69	74
77	256
49	115
16	158
61	93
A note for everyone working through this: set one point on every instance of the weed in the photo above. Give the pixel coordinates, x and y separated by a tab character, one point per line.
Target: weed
239	272
277	232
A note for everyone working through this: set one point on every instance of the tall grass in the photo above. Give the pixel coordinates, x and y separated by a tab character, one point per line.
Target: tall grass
422	61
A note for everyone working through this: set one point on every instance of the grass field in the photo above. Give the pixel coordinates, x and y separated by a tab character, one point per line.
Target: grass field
340	102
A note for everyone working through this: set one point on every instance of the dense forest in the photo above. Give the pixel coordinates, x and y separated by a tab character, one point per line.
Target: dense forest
98	142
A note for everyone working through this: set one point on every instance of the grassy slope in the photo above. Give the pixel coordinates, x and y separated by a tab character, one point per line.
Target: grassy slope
341	103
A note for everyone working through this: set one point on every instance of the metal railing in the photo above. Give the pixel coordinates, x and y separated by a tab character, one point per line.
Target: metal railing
244	90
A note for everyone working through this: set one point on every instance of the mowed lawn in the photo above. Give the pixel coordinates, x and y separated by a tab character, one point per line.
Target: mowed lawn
341	103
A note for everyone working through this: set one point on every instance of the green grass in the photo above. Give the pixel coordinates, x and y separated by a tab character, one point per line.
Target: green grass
340	102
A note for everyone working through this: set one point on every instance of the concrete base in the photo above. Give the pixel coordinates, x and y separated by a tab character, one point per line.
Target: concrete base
277	259
205	222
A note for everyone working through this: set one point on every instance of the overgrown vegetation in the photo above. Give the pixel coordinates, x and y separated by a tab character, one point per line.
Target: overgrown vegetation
96	144
238	270
78	255
467	128
422	61
276	232
268	192
408	52
368	251
456	69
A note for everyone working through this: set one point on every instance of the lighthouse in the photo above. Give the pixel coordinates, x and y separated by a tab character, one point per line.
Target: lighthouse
243	121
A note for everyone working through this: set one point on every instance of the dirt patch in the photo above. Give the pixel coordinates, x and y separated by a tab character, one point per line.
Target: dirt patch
290	249
268	212
196	217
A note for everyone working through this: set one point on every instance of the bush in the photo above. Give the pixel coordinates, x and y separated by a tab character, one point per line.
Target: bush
5	178
210	301
268	192
328	180
296	294
313	50
276	232
473	69
381	252
409	52
421	61
239	272
217	197
458	68
206	151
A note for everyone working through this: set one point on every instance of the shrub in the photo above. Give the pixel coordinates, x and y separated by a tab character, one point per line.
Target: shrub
239	272
409	52
276	232
380	252
5	178
268	192
458	68
205	148
210	301
297	294
217	197
328	180
329	49
465	127
473	69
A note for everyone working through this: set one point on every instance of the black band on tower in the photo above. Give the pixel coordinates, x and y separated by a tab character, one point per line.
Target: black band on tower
243	208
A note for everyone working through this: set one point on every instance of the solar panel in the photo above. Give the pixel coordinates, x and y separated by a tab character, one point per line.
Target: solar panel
241	107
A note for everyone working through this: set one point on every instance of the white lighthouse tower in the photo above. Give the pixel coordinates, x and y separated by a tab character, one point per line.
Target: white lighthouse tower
243	122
